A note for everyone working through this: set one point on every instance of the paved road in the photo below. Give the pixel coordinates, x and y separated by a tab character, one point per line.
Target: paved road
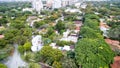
15	61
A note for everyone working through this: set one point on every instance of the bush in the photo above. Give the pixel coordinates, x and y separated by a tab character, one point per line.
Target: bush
21	49
56	64
27	46
29	57
34	65
39	24
117	52
3	66
63	43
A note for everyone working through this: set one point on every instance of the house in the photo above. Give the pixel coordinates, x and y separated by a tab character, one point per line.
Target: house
37	43
2	36
65	34
70	38
66	48
73	10
116	63
27	9
0	17
83	5
78	23
104	28
113	42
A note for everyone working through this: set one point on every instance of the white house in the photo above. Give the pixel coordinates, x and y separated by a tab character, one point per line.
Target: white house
73	10
37	43
27	9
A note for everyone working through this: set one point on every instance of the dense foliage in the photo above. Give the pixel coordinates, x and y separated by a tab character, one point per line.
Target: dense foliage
49	55
92	51
3	66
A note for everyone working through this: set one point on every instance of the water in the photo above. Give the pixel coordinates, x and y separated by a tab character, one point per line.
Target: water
15	61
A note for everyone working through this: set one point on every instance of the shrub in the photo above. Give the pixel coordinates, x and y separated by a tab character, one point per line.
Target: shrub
21	49
3	66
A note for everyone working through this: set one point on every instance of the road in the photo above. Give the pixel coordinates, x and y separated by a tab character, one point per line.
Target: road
15	60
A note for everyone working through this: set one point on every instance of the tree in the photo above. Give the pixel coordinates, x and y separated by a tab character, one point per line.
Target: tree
93	53
70	25
103	11
60	26
30	57
68	62
114	33
21	49
39	24
87	32
27	46
92	23
34	65
48	54
47	41
50	31
3	66
3	21
63	43
3	43
56	64
92	16
17	25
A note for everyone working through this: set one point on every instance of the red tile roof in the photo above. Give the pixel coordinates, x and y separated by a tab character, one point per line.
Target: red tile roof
114	44
116	63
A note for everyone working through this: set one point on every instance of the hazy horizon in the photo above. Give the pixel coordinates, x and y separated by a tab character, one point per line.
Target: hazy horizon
30	0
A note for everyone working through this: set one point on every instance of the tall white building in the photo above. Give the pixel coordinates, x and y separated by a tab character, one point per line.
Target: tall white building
50	3
65	3
57	4
37	5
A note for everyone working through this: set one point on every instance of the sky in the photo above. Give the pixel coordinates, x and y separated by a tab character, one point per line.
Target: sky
14	0
29	0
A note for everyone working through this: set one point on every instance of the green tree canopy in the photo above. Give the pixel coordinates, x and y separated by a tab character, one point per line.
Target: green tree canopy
3	66
27	46
60	26
56	64
92	23
47	53
87	32
34	65
93	53
114	33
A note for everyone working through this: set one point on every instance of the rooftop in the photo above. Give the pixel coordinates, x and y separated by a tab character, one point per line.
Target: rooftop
116	63
2	36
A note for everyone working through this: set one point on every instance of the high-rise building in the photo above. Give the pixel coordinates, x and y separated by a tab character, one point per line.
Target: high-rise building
49	3
57	4
37	5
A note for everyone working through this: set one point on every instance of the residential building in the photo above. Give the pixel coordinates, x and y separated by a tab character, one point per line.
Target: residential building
37	5
57	4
